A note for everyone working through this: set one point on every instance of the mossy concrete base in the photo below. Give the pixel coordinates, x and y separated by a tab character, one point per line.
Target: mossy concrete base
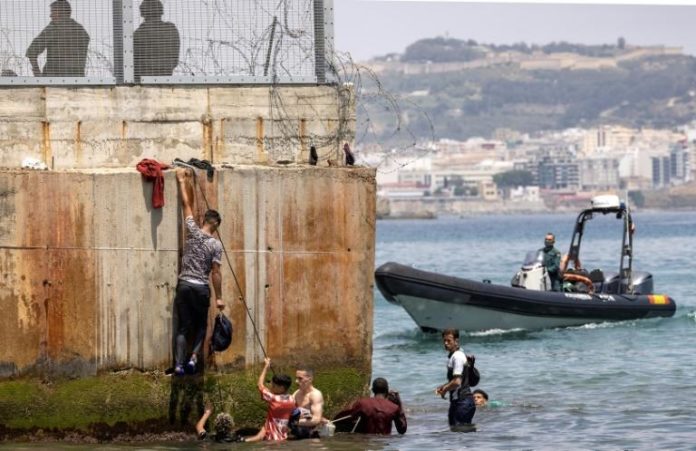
132	403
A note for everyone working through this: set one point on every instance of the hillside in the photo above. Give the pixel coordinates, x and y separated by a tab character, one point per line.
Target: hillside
468	89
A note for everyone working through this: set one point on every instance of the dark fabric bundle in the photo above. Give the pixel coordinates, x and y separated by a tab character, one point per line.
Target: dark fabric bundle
222	333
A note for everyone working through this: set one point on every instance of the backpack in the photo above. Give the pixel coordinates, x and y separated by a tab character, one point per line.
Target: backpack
222	333
472	373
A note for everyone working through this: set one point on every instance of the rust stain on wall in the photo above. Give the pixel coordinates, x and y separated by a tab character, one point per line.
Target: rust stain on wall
307	266
261	156
208	140
303	139
49	273
78	142
219	148
47	153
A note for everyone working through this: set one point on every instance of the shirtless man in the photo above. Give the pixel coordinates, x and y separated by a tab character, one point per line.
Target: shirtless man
310	406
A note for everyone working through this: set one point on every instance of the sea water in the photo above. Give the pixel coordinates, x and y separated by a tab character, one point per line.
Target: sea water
614	385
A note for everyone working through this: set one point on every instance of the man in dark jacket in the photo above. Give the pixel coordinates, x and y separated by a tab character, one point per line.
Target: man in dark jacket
375	415
552	261
65	43
155	43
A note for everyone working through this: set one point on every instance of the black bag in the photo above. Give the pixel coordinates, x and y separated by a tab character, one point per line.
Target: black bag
472	374
222	333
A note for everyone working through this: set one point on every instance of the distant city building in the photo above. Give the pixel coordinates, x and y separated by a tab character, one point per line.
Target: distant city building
599	173
525	193
635	163
572	162
660	171
556	168
488	190
680	164
608	138
673	168
559	175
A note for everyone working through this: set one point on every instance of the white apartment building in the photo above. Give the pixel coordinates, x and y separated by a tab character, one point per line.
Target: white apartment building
599	172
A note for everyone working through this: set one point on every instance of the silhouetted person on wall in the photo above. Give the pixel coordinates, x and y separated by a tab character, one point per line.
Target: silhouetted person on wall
65	43
313	157
155	43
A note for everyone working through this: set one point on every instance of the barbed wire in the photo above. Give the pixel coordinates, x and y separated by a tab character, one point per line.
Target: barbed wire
274	38
371	95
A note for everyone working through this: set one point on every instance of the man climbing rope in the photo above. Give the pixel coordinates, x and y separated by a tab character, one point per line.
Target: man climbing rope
200	262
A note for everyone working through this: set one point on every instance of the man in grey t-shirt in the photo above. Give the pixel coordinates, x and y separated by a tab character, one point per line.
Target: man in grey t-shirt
201	261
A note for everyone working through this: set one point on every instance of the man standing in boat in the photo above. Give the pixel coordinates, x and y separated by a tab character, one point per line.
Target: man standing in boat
552	261
462	407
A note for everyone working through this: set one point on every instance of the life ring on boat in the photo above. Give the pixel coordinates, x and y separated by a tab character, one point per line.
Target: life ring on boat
565	261
578	277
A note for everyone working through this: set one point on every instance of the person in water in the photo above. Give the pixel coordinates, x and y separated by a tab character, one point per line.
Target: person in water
552	261
462	407
223	427
307	417
480	398
375	415
280	406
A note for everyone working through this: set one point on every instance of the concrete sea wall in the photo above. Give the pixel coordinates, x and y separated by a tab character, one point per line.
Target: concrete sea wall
88	268
118	126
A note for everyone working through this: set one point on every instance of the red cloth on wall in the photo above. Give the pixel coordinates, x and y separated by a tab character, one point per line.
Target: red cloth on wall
152	171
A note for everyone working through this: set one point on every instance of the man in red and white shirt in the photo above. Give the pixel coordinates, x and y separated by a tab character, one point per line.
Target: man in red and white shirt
280	406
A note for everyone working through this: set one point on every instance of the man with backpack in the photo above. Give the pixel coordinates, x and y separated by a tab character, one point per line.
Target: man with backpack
462	407
200	265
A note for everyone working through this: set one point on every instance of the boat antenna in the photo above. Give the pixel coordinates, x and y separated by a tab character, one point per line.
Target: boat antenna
626	267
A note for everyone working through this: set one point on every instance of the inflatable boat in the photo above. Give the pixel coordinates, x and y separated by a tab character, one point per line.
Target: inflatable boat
438	301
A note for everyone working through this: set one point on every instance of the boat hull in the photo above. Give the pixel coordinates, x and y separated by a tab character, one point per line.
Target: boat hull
437	302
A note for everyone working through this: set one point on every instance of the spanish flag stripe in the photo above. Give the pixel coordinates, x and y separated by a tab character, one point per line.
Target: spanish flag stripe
658	299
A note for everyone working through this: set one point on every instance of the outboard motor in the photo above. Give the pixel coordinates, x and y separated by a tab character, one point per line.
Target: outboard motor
642	282
533	275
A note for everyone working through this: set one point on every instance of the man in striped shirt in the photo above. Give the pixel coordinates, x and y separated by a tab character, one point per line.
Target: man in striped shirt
280	406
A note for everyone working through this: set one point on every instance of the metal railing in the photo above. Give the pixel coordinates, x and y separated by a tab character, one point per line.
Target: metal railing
108	42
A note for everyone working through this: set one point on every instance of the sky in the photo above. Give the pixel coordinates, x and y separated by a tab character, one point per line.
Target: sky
368	28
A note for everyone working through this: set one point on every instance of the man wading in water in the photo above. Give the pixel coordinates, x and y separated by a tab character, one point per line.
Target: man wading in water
462	407
201	260
309	414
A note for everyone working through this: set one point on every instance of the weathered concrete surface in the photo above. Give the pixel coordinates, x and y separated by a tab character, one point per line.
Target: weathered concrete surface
117	127
88	269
